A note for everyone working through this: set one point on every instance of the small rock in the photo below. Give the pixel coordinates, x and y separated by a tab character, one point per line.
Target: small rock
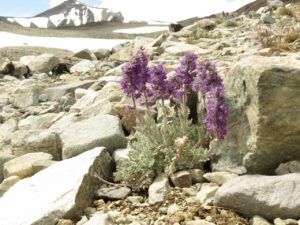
99	219
102	53
135	200
207	193
267	19
172	209
113	193
197	175
175	27
83	66
199	222
85	54
289	167
257	220
182	179
159	189
279	221
65	222
219	178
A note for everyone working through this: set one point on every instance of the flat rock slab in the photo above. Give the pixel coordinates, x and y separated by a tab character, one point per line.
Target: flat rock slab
56	93
266	196
113	193
98	131
62	190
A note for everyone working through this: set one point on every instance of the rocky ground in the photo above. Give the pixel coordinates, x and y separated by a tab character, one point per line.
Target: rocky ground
64	127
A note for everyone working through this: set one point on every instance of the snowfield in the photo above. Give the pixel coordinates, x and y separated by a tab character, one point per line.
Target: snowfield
73	44
142	30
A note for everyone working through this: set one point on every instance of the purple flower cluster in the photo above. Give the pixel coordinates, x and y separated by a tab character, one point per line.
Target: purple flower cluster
151	82
136	75
216	112
159	85
211	86
185	75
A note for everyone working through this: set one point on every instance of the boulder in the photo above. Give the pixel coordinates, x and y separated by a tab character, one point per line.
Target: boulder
199	222
28	141
40	64
86	54
36	122
267	19
102	130
263	107
55	93
266	196
289	167
141	42
63	190
83	66
159	189
23	166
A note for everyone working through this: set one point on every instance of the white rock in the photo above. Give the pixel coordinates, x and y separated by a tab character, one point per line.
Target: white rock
219	178
159	189
83	66
99	219
257	220
40	64
207	193
62	190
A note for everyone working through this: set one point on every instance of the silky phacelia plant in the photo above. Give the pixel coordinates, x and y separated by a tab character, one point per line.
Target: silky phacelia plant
151	83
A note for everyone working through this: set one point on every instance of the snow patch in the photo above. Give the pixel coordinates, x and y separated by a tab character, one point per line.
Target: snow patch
73	44
142	30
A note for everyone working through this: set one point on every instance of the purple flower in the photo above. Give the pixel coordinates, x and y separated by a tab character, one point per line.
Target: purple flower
159	85
216	112
136	74
185	74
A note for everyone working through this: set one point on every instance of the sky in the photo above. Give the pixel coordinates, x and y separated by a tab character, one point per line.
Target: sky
162	10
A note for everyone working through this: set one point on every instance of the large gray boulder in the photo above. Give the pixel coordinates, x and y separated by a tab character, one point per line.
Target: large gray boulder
102	130
266	196
63	190
27	141
40	64
263	97
55	93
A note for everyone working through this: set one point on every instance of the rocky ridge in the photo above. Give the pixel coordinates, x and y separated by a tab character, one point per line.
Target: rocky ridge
64	126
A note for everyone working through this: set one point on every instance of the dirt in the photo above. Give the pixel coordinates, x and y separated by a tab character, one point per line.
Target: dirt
147	215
